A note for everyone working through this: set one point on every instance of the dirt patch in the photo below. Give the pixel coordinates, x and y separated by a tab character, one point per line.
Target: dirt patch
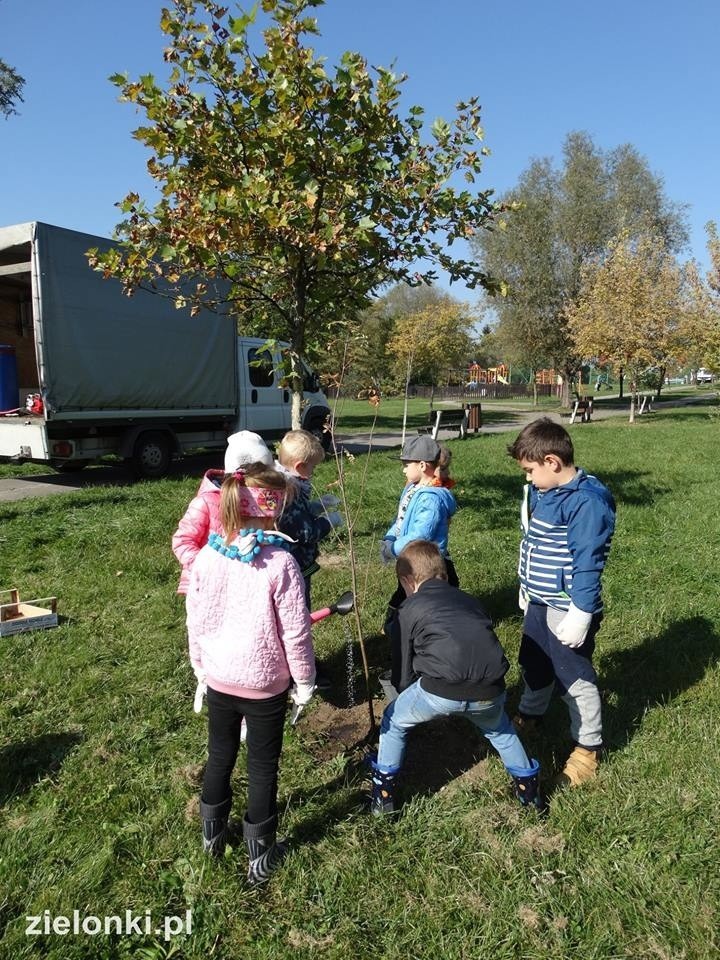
438	753
329	730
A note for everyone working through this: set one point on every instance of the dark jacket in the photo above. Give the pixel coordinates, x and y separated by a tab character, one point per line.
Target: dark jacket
300	521
448	641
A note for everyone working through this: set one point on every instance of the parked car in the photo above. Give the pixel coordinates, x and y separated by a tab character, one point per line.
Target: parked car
703	376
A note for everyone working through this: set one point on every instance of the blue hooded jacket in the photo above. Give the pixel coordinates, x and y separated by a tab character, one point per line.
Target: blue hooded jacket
427	518
567	534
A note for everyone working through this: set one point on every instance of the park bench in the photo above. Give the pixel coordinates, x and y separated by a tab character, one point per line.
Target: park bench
462	419
646	401
582	408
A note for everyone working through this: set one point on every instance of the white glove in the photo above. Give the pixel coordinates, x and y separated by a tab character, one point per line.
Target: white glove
336	519
301	693
386	551
200	692
573	628
522	600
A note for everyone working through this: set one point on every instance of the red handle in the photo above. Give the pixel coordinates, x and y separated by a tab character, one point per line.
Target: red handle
320	614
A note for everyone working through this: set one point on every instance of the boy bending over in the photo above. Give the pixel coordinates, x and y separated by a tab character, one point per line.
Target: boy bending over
451	663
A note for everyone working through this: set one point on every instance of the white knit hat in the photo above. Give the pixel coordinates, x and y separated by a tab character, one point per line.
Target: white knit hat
245	448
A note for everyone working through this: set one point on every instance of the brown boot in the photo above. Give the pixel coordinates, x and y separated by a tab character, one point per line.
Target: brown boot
581	765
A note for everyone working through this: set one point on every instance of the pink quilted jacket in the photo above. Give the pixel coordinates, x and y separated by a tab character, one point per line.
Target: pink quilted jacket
248	625
201	519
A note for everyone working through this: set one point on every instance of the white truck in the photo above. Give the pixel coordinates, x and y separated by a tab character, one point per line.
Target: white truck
130	376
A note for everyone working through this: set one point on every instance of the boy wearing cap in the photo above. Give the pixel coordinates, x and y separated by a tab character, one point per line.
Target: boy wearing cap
202	516
424	513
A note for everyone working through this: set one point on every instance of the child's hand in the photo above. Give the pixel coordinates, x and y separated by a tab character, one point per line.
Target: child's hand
324	503
200	692
301	693
522	600
336	519
573	628
386	552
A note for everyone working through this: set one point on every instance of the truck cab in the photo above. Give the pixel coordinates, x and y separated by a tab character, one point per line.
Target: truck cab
265	398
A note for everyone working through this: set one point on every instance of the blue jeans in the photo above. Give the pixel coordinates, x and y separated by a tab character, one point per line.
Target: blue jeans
415	706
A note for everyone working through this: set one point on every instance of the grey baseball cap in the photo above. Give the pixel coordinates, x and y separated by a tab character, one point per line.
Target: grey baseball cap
419	448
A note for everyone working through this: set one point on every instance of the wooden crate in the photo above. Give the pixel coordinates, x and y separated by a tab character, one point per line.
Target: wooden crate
18	617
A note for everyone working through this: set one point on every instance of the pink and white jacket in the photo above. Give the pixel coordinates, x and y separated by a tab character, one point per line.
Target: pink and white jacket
201	519
248	624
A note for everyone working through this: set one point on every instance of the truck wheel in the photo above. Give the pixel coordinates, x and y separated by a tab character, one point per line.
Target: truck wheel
151	456
317	428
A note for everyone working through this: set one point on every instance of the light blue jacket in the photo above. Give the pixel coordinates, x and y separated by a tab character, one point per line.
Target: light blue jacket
427	518
567	534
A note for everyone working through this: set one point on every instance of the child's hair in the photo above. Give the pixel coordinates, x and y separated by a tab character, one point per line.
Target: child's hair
233	515
539	439
421	560
300	446
443	464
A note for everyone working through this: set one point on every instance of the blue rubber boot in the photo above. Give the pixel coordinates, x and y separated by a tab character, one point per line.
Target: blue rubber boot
382	799
526	786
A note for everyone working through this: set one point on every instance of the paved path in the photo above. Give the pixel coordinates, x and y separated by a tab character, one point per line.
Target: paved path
44	485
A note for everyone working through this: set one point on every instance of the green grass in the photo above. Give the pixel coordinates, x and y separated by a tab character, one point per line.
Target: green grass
99	747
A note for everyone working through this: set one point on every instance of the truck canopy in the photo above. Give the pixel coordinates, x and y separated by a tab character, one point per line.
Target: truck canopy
99	350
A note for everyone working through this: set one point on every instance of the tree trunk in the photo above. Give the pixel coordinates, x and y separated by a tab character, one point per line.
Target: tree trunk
296	385
533	375
297	348
405	406
621	380
661	381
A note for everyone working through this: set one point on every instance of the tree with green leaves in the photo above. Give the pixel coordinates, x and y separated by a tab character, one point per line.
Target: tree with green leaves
299	186
630	308
556	222
11	86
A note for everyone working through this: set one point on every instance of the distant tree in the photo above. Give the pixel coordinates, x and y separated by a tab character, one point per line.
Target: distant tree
630	308
303	188
11	85
557	221
700	329
430	343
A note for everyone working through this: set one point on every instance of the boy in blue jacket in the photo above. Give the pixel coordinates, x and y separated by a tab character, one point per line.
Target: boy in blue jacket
568	519
424	513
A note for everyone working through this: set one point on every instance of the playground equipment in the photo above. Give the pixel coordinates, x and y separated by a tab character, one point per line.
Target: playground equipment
486	375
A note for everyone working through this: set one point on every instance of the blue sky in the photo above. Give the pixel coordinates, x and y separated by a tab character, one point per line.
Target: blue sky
640	71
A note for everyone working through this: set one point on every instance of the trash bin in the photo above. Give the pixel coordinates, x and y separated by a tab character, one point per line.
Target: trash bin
474	416
9	395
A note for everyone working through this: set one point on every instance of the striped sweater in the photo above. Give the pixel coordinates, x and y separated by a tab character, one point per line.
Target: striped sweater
566	541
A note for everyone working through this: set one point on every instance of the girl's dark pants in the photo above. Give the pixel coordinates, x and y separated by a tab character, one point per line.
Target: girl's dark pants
265	722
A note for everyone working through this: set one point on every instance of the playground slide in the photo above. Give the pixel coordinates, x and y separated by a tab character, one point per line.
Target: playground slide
502	380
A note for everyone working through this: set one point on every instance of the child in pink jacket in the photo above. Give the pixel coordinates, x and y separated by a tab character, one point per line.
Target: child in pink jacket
202	517
249	637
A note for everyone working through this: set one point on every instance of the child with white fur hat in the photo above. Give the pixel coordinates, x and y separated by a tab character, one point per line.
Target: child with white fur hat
202	516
